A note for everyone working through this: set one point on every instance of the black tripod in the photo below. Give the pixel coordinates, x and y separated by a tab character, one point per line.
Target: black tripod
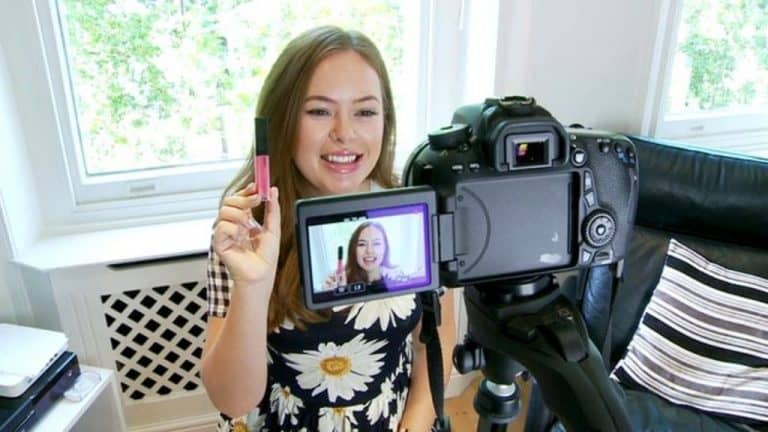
528	322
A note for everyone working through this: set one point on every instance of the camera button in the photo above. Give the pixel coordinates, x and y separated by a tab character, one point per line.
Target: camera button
605	146
586	256
457	168
618	148
587	181
590	197
579	157
474	166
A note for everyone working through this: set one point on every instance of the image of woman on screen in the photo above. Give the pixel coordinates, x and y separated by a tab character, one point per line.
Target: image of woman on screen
367	259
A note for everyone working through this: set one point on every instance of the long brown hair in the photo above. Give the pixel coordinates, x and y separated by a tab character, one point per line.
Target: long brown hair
281	100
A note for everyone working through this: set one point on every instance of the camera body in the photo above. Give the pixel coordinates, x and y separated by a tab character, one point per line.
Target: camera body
520	195
504	192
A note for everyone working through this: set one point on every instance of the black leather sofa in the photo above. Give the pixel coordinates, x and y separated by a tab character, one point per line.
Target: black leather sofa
714	202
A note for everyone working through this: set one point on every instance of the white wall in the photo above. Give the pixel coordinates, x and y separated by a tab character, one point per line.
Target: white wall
18	204
587	61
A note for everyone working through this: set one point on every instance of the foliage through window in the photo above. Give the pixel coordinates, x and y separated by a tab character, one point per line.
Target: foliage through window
721	63
163	84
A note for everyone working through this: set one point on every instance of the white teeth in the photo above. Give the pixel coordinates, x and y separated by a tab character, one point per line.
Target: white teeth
346	159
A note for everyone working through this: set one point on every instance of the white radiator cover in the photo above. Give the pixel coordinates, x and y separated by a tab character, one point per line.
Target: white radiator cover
146	321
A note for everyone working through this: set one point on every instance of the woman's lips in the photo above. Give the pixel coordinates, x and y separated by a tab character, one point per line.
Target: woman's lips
342	163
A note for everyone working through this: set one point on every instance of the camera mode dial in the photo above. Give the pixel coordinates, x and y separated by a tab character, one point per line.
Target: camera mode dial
449	137
599	229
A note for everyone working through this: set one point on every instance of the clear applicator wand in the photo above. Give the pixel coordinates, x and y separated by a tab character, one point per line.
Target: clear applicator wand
261	158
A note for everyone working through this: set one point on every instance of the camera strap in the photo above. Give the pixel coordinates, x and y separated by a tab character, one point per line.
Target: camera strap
602	285
430	321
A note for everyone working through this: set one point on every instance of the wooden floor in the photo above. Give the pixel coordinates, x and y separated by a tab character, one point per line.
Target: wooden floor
462	413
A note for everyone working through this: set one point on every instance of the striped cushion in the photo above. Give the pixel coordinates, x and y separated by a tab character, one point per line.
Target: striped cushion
703	339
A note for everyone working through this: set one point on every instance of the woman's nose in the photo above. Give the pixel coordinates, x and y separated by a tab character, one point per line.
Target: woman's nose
342	130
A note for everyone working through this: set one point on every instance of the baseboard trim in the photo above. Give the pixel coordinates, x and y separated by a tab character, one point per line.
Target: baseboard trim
203	423
458	383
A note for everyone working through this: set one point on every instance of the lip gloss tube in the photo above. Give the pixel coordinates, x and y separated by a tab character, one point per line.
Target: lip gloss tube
339	262
261	158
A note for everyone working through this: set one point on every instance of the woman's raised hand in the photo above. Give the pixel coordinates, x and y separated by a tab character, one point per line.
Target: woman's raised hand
335	280
249	250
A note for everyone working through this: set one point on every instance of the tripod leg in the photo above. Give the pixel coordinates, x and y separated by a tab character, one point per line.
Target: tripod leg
497	405
539	417
484	425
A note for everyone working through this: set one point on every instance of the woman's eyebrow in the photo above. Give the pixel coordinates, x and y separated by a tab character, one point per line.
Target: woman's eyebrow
334	101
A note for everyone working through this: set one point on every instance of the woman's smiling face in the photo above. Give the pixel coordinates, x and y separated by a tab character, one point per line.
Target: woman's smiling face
370	250
342	125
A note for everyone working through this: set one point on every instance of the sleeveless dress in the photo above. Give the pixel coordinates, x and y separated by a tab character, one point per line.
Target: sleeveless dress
348	374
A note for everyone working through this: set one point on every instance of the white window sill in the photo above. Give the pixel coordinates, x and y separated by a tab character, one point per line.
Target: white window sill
118	246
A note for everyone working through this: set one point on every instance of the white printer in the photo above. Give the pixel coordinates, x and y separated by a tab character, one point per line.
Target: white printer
25	353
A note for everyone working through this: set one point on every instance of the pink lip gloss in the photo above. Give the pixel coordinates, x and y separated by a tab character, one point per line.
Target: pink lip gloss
261	158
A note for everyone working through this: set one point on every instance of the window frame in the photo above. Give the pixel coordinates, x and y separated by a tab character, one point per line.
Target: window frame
162	195
739	127
121	189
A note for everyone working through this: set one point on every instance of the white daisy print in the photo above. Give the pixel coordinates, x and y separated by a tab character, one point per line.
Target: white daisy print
384	311
285	403
255	420
404	362
379	406
228	426
339	370
394	421
338	419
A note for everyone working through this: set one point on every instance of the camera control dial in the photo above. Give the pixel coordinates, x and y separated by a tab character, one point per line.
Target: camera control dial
599	228
449	137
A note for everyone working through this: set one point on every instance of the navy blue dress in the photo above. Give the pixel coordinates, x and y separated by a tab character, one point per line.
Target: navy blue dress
350	373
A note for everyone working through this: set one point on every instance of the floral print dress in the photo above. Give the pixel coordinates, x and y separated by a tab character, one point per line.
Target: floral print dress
348	374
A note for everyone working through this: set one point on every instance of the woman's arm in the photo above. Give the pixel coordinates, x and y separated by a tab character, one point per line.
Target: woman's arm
419	414
234	363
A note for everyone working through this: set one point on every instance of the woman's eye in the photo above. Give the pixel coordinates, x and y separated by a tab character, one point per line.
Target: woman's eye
318	112
368	113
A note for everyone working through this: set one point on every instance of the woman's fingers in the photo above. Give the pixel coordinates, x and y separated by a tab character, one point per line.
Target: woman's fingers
242	202
248	190
234	215
272	213
236	226
225	235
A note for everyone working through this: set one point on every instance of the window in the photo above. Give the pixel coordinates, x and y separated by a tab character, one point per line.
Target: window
137	111
163	93
716	90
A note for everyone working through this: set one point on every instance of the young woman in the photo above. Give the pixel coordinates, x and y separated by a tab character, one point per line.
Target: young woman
269	363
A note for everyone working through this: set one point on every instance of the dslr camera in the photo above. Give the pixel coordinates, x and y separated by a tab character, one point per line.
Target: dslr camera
504	192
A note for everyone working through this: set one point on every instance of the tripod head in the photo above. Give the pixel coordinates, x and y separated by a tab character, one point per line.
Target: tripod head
528	322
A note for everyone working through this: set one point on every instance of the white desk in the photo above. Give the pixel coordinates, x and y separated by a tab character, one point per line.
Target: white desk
100	410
